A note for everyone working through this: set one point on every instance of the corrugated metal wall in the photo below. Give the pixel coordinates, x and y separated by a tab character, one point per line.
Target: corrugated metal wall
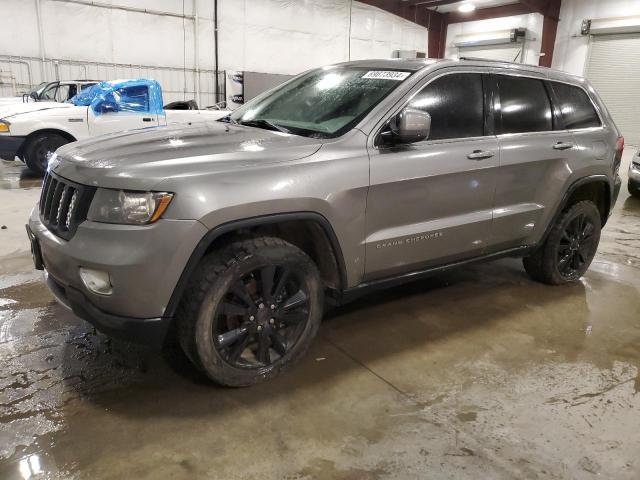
613	67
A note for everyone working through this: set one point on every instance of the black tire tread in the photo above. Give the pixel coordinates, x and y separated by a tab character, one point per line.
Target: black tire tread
210	269
541	264
29	155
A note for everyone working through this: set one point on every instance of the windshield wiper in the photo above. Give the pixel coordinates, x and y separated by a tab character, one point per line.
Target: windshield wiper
262	123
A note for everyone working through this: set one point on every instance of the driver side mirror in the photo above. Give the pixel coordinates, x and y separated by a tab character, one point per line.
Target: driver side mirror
409	126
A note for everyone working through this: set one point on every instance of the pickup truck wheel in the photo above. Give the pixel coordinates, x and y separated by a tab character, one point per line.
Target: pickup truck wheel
40	148
250	311
570	247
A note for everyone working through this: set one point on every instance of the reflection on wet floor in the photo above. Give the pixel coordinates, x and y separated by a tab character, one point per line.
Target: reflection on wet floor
16	175
476	373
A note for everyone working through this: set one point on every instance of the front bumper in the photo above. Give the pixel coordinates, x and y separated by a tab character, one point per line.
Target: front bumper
149	331
10	146
144	264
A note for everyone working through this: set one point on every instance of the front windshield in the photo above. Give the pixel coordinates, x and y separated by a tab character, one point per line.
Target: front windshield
323	103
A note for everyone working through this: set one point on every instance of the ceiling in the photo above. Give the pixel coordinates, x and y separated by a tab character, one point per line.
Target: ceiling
448	6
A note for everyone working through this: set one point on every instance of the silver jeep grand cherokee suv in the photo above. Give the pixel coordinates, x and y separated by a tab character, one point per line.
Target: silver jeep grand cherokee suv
232	235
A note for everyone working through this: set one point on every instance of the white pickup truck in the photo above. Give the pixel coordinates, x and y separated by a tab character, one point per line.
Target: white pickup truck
33	131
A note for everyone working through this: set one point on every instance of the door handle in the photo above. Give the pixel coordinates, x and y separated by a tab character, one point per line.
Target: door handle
479	155
146	119
562	146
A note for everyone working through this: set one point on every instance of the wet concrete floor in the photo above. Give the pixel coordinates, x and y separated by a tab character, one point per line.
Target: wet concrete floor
477	373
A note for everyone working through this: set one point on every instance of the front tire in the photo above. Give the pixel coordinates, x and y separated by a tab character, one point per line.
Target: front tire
634	188
570	247
250	311
40	148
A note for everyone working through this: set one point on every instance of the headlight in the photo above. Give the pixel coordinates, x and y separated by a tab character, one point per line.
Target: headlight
135	208
4	126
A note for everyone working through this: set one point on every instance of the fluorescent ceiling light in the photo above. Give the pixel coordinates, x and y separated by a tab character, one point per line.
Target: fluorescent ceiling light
466	7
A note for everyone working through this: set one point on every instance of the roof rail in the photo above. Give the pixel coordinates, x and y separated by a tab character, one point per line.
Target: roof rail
487	60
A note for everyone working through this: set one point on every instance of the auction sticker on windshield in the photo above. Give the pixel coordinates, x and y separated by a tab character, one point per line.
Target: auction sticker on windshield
386	75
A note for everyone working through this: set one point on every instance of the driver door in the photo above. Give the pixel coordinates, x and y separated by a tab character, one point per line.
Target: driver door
129	109
431	202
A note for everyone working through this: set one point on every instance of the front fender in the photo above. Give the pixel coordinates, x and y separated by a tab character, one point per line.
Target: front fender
72	124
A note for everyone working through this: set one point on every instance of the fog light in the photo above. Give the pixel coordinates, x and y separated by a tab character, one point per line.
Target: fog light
96	281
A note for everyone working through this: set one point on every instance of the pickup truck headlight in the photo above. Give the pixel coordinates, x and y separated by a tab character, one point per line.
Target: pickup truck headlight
4	126
126	207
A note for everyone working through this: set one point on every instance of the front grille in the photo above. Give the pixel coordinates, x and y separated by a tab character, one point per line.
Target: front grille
64	204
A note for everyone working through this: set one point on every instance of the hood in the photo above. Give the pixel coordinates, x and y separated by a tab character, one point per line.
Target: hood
7	100
8	110
140	159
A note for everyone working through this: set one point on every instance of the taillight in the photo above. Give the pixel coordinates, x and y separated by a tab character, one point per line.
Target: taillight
617	159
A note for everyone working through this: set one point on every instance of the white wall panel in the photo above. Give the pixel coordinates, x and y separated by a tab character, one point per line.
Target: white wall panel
532	22
614	70
270	36
571	48
18	23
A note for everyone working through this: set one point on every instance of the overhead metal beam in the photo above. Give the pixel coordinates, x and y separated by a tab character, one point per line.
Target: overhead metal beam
486	13
548	8
429	3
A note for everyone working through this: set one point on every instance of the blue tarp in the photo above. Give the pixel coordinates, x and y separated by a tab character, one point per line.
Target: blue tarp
141	95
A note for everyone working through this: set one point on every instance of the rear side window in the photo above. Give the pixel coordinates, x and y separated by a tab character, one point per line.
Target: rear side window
456	105
524	105
576	107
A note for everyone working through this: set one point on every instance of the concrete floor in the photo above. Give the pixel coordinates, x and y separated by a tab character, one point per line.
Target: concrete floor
478	373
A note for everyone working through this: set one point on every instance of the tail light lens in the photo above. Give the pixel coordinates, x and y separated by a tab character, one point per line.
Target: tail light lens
617	159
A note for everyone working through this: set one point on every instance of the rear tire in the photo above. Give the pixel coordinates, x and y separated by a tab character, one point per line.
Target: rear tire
250	311
634	189
40	148
570	247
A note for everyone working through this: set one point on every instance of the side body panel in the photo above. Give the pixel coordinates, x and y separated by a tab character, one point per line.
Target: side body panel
332	182
428	203
119	121
534	176
69	119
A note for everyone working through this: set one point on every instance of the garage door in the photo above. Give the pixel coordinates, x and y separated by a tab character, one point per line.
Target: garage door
511	52
614	70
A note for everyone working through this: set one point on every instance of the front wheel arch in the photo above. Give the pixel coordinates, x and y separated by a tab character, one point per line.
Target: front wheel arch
261	222
44	131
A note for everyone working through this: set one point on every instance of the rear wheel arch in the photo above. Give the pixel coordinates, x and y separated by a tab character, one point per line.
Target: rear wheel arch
310	231
595	188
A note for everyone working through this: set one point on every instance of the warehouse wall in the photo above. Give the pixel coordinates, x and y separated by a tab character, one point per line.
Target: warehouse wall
571	48
271	36
532	22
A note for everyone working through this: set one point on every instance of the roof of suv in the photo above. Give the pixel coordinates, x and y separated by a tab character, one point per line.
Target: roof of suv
419	64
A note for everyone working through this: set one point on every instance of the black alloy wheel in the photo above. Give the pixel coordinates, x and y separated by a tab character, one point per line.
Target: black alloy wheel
261	317
250	310
577	246
569	248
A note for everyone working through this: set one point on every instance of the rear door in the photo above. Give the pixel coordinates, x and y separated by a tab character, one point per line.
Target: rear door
431	202
536	158
133	111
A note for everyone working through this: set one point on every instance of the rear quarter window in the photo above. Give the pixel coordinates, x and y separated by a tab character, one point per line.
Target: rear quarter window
575	106
524	105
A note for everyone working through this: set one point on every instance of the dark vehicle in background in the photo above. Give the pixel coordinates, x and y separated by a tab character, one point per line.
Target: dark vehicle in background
634	176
